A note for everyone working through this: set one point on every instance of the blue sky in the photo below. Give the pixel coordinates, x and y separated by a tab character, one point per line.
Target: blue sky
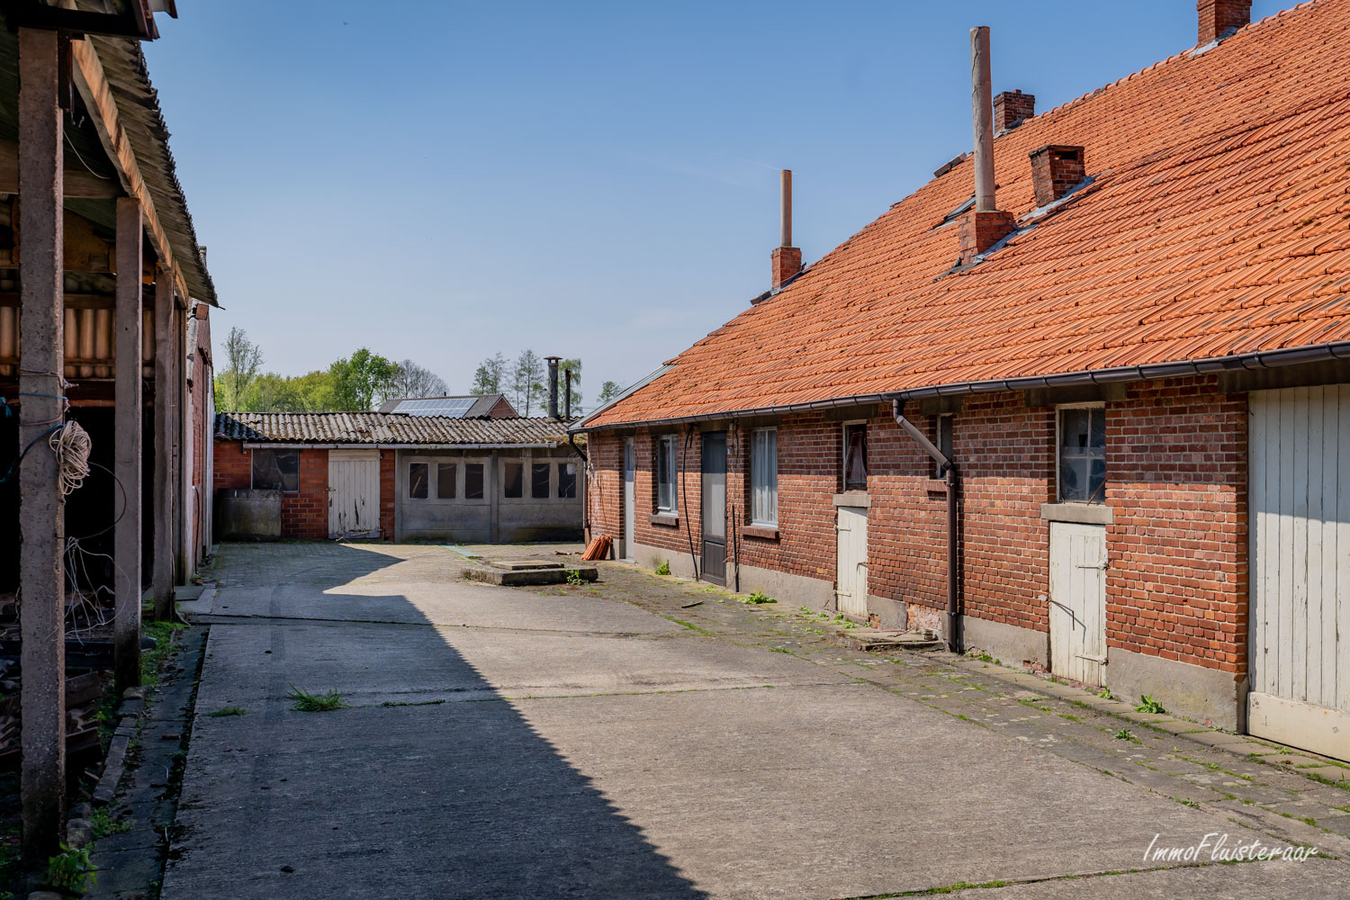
442	180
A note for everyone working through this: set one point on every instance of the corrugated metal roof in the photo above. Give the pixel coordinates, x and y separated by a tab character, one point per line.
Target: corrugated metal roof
385	428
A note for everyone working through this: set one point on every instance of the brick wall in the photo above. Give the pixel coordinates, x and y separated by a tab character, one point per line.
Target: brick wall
304	514
1176	470
388	493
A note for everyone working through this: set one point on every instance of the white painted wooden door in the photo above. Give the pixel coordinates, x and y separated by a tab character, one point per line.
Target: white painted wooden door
353	492
851	588
1299	521
1078	601
629	499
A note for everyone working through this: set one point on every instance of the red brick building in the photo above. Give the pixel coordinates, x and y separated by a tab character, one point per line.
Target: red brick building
404	477
1098	419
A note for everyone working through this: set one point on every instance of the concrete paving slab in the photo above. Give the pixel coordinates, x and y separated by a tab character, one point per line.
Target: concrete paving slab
458	604
373	664
1278	879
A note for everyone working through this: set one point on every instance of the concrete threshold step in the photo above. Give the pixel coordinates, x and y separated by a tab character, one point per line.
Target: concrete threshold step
518	574
880	640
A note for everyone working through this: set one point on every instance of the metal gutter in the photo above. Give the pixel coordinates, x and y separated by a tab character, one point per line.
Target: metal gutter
1265	359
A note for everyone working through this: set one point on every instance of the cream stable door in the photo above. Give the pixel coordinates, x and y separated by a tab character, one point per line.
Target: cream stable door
353	492
851	586
1078	601
1299	520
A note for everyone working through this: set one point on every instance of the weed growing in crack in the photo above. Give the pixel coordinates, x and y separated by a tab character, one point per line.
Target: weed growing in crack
663	568
1126	734
1148	705
228	711
105	824
307	702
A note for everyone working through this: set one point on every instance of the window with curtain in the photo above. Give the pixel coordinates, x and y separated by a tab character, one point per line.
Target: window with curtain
764	477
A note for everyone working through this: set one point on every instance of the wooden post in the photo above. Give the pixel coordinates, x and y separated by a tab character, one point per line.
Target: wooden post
127	465
42	600
982	101
785	207
166	421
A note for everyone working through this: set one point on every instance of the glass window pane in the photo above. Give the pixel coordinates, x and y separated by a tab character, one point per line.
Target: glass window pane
1082	455
473	481
513	481
276	470
539	480
417	481
665	475
764	477
567	480
445	480
855	458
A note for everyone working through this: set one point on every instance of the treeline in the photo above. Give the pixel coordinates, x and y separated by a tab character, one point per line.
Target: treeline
525	382
354	383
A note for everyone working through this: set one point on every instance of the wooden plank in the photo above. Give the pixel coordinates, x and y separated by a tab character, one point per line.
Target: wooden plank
1256	522
1272	552
127	455
1314	638
166	417
1298	559
1304	725
1285	617
98	98
41	503
1331	509
1343	555
78	183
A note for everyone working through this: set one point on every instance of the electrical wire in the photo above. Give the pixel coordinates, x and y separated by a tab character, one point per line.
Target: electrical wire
71	445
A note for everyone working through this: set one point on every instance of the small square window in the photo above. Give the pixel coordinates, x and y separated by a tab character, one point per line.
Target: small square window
1082	454
473	481
539	473
855	456
513	480
445	480
567	481
417	481
276	470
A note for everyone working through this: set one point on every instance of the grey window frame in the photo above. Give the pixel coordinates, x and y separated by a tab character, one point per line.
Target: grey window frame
666	448
1094	499
763	512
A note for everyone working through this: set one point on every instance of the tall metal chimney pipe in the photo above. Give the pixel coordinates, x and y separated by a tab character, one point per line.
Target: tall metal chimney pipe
553	386
786	203
982	99
567	393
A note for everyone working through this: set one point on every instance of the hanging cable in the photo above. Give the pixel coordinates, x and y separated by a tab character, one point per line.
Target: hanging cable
71	445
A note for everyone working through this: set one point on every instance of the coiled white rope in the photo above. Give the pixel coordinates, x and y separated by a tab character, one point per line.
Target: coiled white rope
71	444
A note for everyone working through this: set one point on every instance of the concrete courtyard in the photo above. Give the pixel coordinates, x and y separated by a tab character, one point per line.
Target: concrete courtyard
647	738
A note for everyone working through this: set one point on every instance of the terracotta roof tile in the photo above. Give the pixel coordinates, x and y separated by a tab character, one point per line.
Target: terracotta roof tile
1218	223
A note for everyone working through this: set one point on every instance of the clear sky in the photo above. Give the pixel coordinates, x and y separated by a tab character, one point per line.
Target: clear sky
441	180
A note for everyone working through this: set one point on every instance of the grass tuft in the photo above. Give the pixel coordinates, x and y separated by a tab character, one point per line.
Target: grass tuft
307	702
228	711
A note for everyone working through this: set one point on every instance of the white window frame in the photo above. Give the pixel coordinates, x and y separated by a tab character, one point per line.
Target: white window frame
1059	444
667	444
843	456
758	515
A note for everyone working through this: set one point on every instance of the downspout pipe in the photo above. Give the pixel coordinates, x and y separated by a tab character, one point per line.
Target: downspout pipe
953	636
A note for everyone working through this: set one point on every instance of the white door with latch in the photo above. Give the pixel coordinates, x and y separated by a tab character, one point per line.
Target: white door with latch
851	588
353	492
1078	601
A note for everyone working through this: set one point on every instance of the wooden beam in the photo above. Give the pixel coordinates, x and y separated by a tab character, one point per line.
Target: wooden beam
127	456
166	419
42	606
80	183
93	87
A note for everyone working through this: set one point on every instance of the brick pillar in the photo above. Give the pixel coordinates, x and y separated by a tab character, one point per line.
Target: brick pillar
982	229
1011	107
787	262
1220	18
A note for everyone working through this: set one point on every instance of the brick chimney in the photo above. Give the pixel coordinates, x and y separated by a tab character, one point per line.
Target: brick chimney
985	225
1220	18
787	259
1010	108
1055	169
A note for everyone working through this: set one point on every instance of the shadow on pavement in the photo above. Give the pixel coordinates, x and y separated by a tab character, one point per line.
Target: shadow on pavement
449	799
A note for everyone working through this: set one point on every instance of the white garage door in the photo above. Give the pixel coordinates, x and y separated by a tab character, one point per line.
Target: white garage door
1299	457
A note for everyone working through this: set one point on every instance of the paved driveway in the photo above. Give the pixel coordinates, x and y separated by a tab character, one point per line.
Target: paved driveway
567	743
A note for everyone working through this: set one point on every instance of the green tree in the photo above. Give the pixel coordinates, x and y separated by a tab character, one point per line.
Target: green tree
487	379
609	392
359	380
527	382
412	380
243	359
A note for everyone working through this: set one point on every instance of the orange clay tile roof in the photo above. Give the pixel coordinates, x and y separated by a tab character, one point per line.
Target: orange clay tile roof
1218	224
